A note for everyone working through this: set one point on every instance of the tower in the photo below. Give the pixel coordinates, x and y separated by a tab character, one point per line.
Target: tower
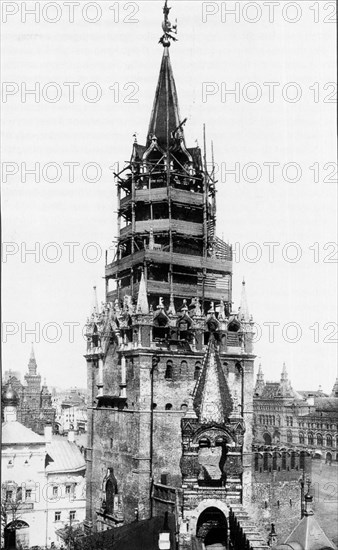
33	383
260	384
169	363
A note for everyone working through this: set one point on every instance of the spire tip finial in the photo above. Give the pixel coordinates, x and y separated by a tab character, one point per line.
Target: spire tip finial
168	28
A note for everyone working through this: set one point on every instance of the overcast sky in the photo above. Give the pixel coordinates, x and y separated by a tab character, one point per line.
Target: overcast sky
282	135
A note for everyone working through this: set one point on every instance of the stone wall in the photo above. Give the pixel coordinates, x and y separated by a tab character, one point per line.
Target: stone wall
276	493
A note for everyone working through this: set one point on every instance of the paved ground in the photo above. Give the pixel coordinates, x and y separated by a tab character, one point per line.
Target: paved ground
325	491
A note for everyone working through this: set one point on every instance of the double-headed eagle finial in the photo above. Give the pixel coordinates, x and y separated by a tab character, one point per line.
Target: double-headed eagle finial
168	28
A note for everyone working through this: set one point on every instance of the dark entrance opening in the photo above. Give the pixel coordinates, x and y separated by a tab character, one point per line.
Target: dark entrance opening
16	535
267	439
212	529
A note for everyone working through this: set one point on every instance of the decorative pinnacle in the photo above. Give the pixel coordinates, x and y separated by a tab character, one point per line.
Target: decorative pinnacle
168	28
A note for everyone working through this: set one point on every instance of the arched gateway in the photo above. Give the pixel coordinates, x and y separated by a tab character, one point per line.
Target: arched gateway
212	529
16	535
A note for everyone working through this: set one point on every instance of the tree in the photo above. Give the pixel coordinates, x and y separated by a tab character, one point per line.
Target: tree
11	505
70	535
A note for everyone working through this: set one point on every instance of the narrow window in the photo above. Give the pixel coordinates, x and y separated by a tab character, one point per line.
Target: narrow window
57	516
164	479
197	370
169	370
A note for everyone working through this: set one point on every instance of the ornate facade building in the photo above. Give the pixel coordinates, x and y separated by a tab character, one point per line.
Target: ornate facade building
42	483
285	417
35	409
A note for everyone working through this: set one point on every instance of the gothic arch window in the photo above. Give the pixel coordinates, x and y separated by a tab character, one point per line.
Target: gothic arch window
289	437
319	440
301	438
293	459
169	370
329	440
265	461
283	460
267	439
274	461
238	369
310	438
197	370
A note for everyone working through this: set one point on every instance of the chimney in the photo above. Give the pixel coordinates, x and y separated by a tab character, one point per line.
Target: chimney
71	436
48	433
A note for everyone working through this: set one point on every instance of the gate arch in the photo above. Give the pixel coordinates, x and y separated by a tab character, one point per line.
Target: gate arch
202	506
16	535
212	527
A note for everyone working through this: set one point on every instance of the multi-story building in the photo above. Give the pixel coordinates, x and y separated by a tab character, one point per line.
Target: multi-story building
43	482
71	411
34	408
304	419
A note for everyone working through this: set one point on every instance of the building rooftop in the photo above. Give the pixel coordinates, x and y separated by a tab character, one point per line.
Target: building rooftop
15	433
65	456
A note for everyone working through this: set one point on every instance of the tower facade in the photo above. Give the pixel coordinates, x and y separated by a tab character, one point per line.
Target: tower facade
169	363
35	408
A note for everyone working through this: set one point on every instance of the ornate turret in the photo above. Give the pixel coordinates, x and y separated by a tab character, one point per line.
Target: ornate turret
244	309
32	366
259	387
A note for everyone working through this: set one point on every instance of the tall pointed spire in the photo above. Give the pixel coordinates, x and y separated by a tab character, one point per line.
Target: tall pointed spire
95	302
142	300
244	311
259	387
32	355
165	117
284	375
32	366
212	398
